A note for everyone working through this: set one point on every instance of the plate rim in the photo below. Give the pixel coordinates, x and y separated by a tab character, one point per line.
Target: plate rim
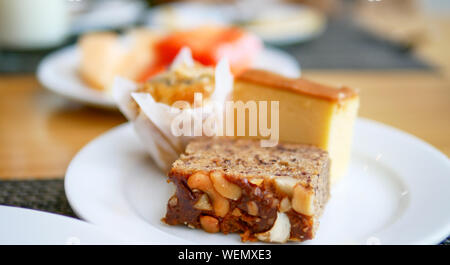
42	73
60	220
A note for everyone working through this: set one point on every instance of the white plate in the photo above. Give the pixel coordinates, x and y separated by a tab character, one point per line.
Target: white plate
59	73
104	15
275	23
396	192
20	226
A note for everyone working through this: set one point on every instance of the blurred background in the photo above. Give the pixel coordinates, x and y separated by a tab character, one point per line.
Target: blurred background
321	34
59	57
395	52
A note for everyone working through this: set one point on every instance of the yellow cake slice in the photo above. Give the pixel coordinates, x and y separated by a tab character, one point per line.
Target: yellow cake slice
309	113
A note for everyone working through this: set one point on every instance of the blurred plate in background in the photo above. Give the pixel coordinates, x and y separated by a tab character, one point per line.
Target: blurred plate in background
278	23
284	24
104	14
59	73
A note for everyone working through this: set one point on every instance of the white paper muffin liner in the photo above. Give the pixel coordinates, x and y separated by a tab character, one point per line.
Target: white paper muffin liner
153	121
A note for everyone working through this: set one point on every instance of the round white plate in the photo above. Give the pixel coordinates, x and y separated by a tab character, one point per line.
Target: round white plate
20	226
396	192
275	23
59	73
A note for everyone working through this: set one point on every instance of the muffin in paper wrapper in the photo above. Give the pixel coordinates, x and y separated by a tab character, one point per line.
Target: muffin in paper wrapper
154	121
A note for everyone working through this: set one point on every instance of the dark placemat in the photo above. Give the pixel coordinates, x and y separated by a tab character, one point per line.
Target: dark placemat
45	195
346	46
18	62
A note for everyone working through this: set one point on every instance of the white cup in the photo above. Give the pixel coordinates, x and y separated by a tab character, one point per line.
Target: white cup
33	24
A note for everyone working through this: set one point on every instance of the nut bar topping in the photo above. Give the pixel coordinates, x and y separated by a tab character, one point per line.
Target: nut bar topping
229	185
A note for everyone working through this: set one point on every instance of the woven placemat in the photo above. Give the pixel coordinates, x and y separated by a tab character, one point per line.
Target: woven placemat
45	195
19	62
344	45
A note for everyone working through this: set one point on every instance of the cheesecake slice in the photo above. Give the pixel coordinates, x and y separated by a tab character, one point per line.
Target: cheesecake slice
270	194
309	113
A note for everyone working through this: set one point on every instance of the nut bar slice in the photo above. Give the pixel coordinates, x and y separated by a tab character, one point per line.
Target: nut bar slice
271	194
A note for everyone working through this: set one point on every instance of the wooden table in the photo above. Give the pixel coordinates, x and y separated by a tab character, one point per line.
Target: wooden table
41	132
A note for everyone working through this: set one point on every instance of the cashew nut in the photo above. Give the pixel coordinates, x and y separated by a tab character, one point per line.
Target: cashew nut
203	203
202	182
209	224
303	200
224	187
252	208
